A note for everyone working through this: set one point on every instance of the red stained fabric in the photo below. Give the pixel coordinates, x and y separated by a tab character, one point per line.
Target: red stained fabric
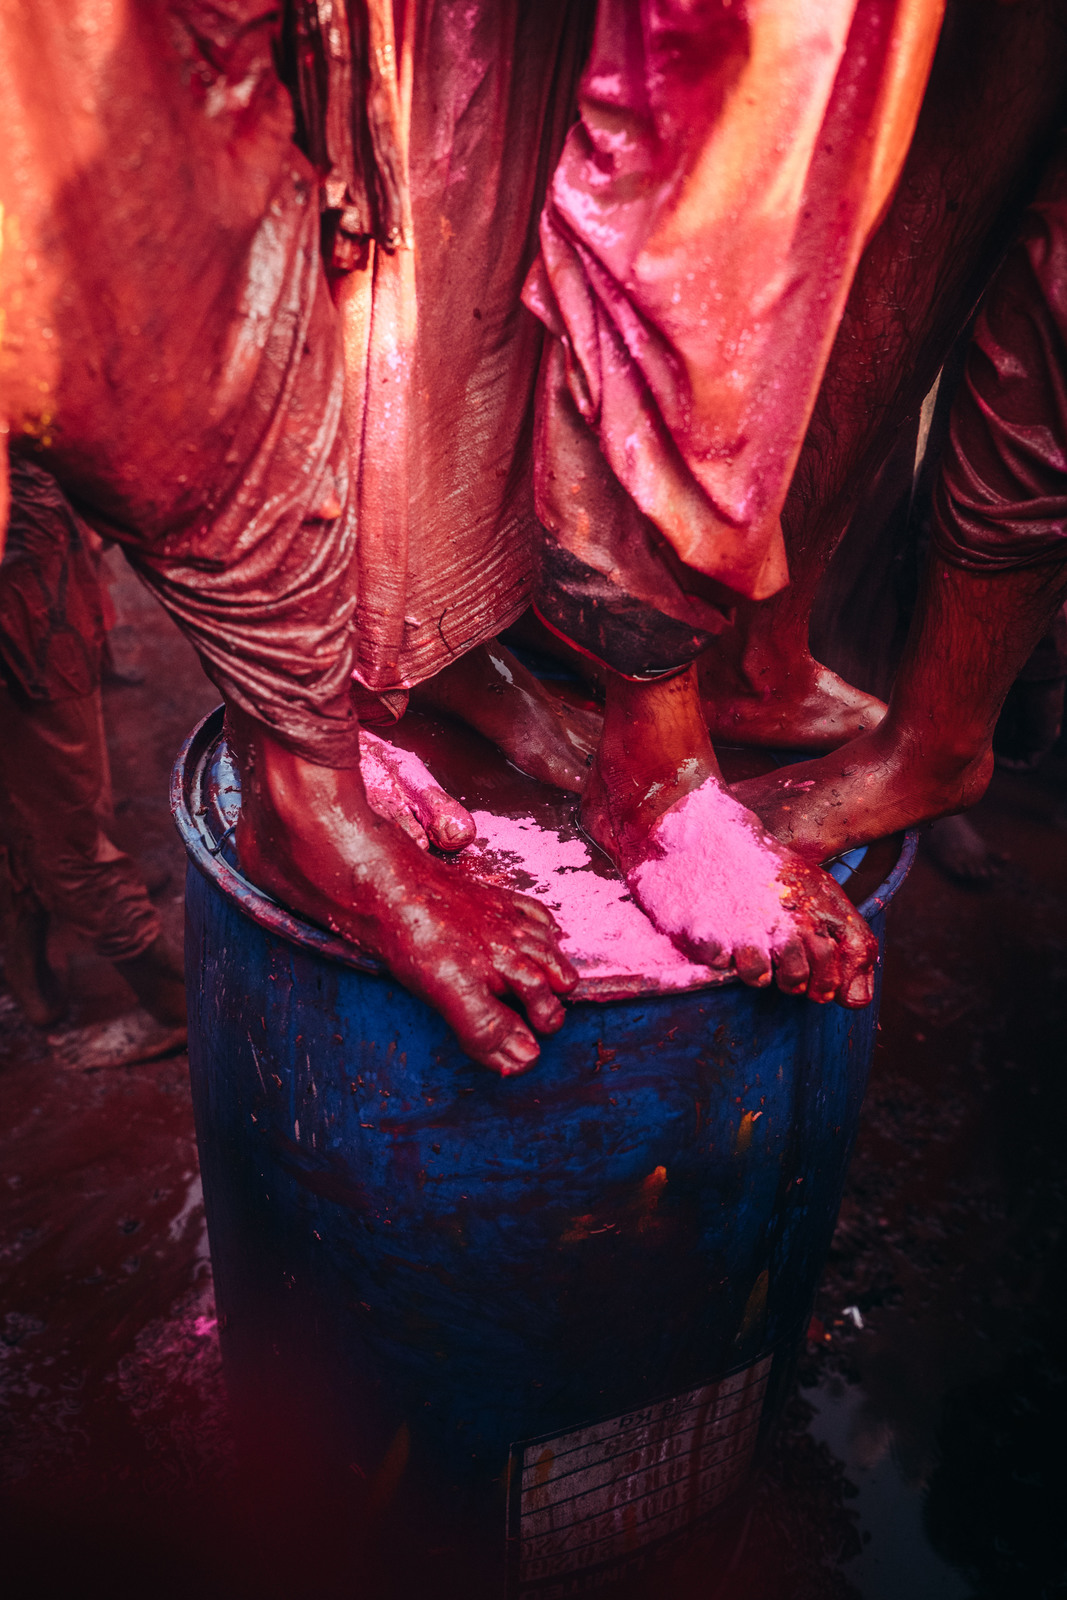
442	357
1001	498
51	603
699	240
170	350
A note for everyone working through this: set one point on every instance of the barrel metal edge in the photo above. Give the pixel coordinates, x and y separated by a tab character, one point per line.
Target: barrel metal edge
254	902
258	905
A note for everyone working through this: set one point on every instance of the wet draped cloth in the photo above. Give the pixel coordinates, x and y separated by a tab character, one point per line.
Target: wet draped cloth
310	494
697	242
169	350
441	356
1000	503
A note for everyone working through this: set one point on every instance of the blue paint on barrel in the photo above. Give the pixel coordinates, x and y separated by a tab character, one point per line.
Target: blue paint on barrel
441	1266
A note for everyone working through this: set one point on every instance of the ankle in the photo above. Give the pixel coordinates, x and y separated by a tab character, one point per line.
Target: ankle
157	978
759	666
653	723
950	771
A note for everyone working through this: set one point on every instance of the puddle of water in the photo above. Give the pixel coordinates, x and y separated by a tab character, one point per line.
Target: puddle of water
896	1559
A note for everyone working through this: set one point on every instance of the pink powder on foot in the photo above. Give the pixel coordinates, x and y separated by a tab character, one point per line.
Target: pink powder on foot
712	879
395	780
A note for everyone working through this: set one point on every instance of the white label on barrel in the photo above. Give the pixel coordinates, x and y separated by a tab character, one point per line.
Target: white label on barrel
589	1505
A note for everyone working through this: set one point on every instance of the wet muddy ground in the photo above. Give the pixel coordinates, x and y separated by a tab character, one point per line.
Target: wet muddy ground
922	1454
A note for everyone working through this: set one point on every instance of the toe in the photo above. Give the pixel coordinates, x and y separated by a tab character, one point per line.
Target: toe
527	980
858	955
518	1055
791	967
535	911
707	951
490	1031
449	825
753	965
824	966
860	991
409	823
542	949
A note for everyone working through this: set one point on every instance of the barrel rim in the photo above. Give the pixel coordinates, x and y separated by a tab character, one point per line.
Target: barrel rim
261	909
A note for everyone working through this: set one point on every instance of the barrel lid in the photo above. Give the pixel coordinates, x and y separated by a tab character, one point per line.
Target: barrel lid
528	839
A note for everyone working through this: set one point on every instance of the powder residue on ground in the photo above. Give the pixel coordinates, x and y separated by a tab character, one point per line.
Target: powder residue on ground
604	932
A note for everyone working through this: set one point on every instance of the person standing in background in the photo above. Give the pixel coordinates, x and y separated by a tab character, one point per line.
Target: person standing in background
57	857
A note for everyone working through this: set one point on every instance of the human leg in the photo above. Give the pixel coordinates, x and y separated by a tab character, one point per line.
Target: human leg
932	755
996	574
702	867
56	802
490	689
761	685
993	102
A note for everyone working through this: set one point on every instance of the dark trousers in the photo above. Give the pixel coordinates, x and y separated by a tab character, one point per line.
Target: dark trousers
55	813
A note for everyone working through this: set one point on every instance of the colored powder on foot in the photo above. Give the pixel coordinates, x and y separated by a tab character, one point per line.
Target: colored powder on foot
716	881
604	933
395	780
384	794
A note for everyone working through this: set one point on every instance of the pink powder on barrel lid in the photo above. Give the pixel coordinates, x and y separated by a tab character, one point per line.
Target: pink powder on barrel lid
609	939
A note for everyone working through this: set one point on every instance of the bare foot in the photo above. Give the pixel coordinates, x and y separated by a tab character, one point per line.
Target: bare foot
308	836
123	1042
157	978
541	733
789	704
960	851
703	868
27	970
873	787
402	790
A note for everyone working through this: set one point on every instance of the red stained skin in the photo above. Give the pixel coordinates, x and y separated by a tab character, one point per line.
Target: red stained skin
399	787
993	105
655	752
492	691
996	576
308	834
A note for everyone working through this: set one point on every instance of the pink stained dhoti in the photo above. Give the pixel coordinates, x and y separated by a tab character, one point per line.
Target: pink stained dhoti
698	239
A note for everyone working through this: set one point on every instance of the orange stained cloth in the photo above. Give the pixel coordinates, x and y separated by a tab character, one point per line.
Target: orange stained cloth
168	347
441	356
698	243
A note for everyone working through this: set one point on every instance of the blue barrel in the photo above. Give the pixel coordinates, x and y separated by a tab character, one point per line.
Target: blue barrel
537	1327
